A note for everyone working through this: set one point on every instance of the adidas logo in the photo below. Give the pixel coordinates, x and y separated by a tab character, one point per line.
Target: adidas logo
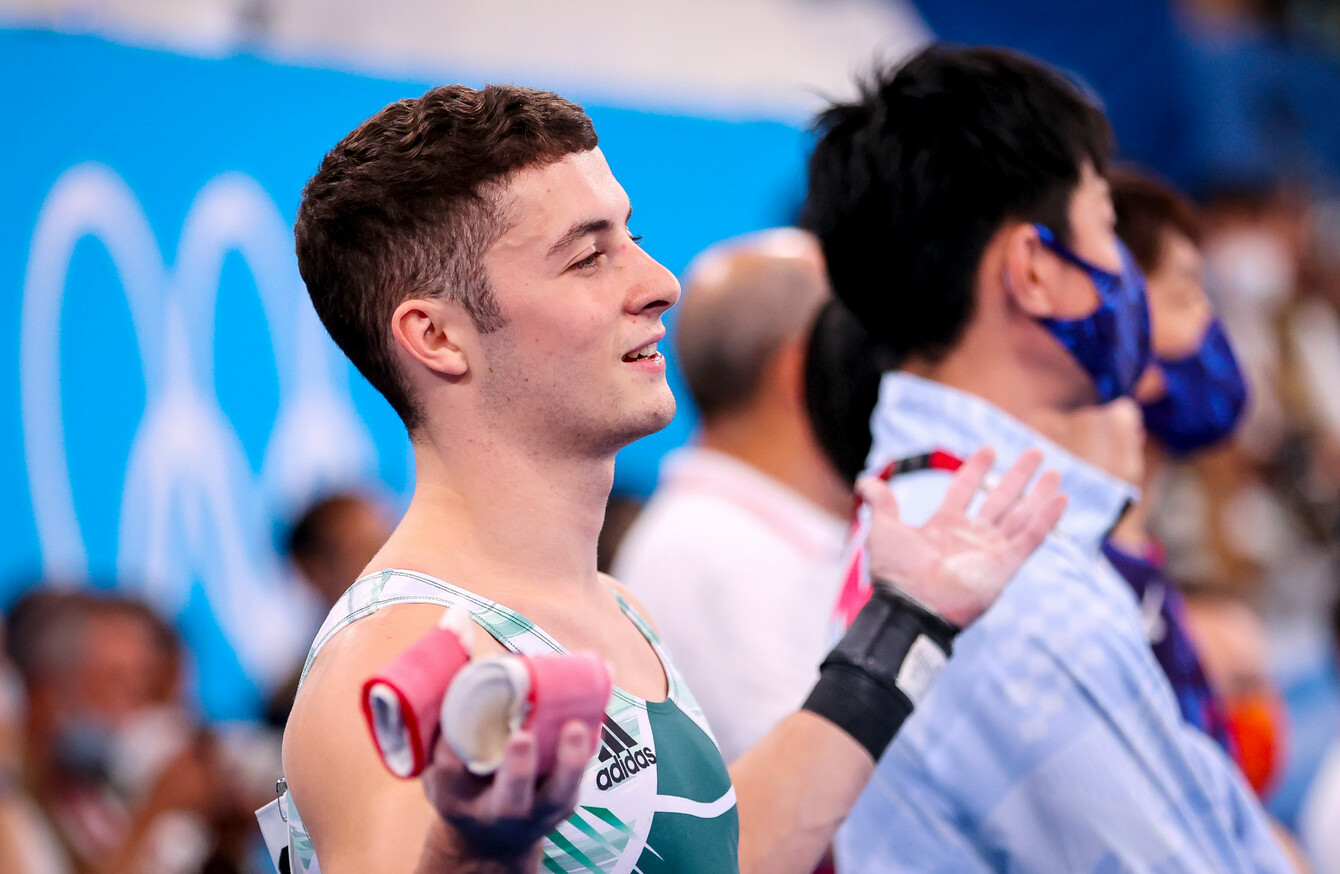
625	757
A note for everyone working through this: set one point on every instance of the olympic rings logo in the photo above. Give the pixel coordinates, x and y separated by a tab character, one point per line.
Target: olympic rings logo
191	509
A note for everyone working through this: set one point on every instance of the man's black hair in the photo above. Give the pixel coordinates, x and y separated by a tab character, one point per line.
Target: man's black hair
908	183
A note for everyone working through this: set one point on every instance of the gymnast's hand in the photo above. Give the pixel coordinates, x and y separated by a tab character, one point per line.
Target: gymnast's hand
955	564
501	818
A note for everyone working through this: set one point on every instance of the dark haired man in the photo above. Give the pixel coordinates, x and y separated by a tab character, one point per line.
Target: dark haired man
470	252
1192	396
332	540
967	225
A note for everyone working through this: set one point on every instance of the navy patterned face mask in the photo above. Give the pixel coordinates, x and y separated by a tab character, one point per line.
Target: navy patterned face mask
1205	396
1112	342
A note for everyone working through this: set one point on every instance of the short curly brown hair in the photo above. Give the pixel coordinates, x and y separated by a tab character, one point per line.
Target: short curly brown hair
406	205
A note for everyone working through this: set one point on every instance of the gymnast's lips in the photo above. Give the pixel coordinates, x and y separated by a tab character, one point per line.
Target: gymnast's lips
645	352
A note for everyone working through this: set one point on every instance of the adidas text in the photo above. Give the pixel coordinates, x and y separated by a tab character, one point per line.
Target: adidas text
624	766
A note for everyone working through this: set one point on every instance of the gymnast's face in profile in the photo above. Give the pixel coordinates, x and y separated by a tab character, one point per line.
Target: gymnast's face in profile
577	359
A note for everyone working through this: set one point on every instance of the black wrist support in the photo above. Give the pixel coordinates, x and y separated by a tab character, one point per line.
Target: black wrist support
889	657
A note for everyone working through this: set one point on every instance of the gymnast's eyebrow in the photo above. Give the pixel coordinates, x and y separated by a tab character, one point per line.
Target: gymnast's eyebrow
577	231
581	229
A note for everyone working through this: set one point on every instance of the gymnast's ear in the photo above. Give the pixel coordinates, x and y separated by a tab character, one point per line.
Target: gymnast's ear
436	333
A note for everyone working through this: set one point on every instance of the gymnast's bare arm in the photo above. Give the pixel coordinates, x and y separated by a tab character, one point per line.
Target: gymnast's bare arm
361	818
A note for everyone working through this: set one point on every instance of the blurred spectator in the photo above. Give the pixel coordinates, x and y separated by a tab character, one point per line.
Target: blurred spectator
124	778
1258	515
1254	239
1192	397
1231	640
1240	517
26	846
329	545
737	553
334	539
1232	643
